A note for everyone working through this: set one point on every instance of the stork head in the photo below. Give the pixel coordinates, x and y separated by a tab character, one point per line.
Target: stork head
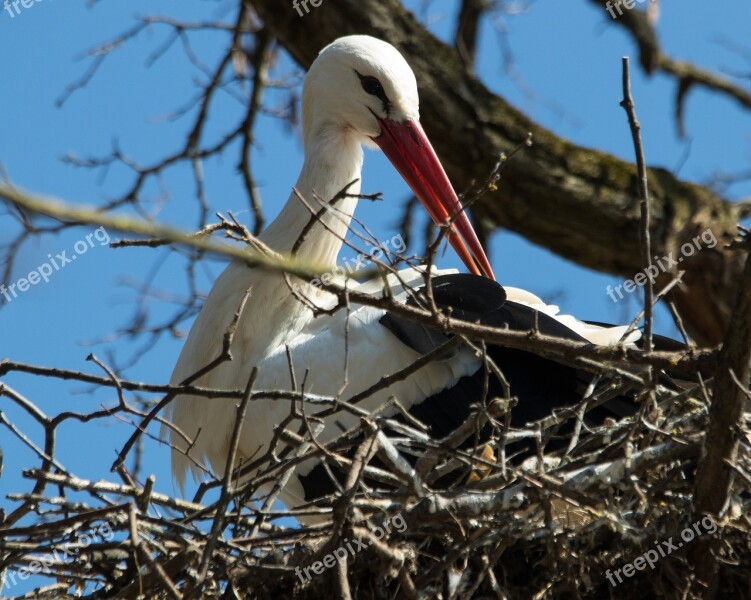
363	86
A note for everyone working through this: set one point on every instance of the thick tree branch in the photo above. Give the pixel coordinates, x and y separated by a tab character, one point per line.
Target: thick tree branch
465	37
653	59
714	477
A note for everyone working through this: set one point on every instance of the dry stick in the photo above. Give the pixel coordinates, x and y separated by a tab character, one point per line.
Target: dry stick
287	470
7	366
138	549
47	454
548	346
67	524
345	593
678	278
224	355
262	56
341	508
644	235
47	458
646	251
105	487
263	257
316	217
714	477
227	488
115	379
206	231
476	420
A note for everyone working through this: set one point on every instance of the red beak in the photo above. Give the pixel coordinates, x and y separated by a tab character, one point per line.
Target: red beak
409	150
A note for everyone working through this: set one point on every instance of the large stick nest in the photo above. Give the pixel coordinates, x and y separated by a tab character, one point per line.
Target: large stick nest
554	525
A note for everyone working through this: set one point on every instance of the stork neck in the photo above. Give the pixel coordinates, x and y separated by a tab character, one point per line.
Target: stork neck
333	159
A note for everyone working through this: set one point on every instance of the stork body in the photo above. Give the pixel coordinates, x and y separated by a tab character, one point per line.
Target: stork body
360	91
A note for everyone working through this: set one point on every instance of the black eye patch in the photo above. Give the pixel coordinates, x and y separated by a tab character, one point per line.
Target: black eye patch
372	86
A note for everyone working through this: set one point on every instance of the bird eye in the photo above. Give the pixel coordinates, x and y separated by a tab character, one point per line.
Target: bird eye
372	86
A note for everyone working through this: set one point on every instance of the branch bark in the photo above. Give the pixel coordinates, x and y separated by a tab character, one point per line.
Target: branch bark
579	203
652	58
465	37
715	473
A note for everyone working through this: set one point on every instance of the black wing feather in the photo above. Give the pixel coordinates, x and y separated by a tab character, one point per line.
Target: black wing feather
541	385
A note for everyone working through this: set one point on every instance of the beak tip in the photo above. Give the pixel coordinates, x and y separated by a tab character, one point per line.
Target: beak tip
410	151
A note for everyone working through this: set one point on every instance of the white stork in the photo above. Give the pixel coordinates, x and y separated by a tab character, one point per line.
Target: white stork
359	91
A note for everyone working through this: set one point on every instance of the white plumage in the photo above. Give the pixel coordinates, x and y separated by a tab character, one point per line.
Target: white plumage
359	91
316	346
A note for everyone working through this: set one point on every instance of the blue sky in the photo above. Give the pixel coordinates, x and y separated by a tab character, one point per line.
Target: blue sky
568	54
